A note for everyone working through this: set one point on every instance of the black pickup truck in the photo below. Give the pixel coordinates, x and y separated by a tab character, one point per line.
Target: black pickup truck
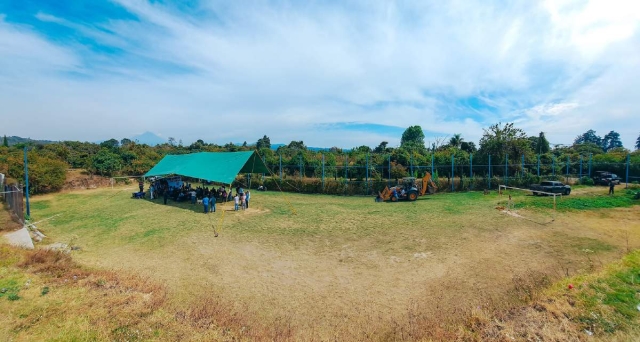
604	177
550	186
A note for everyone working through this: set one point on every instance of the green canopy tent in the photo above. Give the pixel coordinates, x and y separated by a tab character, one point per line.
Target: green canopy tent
221	167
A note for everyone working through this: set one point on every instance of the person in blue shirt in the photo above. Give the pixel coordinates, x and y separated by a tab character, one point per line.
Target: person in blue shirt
205	203
212	202
247	195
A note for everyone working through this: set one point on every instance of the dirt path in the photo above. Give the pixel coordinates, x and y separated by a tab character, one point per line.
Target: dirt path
20	238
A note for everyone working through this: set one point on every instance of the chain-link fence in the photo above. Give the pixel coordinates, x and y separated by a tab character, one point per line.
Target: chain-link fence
13	198
368	179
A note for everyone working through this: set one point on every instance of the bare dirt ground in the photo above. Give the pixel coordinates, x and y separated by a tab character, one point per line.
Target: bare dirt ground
80	179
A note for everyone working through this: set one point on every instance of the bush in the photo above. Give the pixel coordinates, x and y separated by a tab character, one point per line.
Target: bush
586	181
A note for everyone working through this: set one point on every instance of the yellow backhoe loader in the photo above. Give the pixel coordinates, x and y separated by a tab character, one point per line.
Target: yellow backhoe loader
409	189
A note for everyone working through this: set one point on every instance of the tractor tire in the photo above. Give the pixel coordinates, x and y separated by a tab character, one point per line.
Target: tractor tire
394	199
412	196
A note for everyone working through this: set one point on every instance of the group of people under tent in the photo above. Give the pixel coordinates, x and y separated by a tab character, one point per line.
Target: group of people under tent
209	197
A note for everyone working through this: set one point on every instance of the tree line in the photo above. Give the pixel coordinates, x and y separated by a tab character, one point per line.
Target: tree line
505	143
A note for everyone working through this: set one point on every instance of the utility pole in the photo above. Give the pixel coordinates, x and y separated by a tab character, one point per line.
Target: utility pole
323	172
506	170
628	161
26	181
452	173
367	175
389	177
489	172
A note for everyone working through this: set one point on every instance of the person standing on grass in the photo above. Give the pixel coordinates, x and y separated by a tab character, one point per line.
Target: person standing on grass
243	202
165	195
212	202
141	185
193	197
151	189
205	203
248	194
611	186
237	201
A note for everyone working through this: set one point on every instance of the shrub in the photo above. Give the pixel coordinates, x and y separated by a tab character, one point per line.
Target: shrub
586	181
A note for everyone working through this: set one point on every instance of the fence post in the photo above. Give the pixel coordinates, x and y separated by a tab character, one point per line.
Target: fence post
366	179
323	172
626	187
538	165
489	172
580	175
506	171
432	164
411	162
346	167
389	177
26	181
280	167
451	172
590	155
470	171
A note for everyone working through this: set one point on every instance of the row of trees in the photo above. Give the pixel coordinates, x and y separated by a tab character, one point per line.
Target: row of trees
48	162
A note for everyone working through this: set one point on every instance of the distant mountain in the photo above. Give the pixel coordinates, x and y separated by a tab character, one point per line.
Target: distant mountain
149	138
18	140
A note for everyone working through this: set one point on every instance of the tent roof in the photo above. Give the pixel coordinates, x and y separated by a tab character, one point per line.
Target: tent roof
219	167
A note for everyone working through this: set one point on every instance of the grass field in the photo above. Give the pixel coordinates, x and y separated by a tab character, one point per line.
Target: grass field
346	267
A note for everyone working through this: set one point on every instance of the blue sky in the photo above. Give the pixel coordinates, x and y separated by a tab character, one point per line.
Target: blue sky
336	73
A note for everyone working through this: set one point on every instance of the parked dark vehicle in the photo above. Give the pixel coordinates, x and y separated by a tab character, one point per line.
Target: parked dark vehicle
604	177
551	187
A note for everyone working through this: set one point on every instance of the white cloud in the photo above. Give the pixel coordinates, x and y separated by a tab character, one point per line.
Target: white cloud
237	71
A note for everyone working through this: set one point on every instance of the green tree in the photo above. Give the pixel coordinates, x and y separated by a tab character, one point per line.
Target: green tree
587	148
498	141
46	174
382	148
5	142
362	149
468	147
456	140
263	142
413	138
588	137
125	141
106	162
297	145
611	141
110	144
542	144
